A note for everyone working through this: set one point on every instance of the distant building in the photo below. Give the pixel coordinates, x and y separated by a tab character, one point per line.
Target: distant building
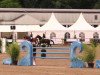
64	16
67	17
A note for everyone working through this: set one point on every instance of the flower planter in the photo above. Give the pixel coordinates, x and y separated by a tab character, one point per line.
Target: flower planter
14	62
90	65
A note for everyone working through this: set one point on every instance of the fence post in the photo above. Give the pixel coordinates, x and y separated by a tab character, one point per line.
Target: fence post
3	48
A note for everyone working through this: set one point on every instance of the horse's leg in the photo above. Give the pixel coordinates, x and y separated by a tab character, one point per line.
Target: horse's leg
49	43
39	44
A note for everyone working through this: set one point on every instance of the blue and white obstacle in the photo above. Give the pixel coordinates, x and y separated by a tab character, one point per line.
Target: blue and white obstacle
28	59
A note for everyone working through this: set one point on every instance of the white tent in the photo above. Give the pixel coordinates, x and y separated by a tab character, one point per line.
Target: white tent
81	24
52	24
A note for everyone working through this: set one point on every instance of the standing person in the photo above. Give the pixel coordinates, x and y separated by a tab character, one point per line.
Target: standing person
34	55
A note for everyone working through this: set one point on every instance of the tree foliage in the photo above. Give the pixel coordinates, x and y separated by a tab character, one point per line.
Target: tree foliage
68	4
9	4
97	5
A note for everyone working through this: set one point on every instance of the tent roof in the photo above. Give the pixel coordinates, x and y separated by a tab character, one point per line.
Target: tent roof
81	24
53	24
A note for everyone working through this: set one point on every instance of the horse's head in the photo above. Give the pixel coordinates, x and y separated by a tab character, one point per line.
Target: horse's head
39	37
26	37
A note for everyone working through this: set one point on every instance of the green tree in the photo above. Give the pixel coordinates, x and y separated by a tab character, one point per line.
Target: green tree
61	4
97	5
9	4
27	3
46	4
68	4
82	4
36	3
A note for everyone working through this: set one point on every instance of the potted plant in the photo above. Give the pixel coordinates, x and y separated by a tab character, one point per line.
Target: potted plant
14	50
94	42
89	54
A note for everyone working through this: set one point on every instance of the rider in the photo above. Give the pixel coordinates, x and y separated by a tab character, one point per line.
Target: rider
31	36
44	36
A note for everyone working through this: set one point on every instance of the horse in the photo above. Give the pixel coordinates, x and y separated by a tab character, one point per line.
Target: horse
44	41
32	40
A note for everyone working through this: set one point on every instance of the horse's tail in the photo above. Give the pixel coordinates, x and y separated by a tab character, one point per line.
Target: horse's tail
52	41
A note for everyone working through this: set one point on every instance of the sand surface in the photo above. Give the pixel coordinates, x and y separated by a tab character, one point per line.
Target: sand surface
45	67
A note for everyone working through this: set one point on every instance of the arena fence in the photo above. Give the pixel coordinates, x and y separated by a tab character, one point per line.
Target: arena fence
29	58
53	49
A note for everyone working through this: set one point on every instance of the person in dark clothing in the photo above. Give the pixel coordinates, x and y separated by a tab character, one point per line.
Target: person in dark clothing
44	36
34	50
31	37
34	54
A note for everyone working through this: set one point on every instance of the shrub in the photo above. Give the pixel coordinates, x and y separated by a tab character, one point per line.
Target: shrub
89	53
14	51
94	42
